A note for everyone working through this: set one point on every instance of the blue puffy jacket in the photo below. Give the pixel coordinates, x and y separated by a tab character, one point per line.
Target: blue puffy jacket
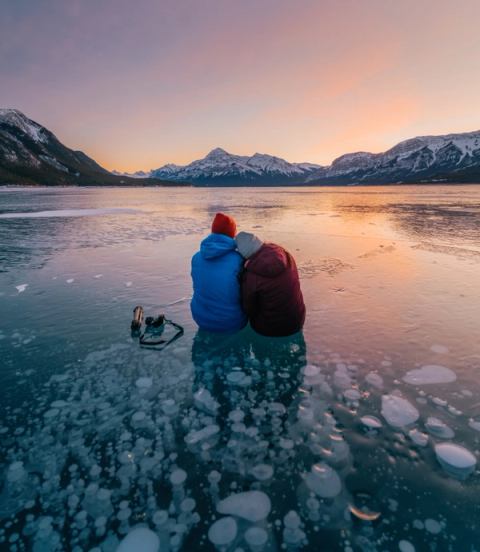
216	304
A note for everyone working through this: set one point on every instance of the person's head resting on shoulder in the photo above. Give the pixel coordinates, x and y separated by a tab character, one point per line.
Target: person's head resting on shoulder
248	244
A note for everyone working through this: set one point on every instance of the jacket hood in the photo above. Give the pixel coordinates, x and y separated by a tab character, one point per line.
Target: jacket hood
269	261
216	245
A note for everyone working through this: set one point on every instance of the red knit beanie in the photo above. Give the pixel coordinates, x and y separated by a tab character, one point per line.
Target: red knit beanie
223	224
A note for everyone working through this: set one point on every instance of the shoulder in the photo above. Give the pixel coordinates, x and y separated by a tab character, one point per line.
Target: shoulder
196	257
235	260
234	255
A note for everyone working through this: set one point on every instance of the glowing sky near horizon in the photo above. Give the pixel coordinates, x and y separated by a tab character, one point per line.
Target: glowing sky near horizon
138	84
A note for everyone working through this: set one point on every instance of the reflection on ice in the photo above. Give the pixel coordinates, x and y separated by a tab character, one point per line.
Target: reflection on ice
69	213
243	448
127	444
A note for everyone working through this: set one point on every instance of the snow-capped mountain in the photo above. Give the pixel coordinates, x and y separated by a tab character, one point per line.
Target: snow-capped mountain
447	158
31	154
222	168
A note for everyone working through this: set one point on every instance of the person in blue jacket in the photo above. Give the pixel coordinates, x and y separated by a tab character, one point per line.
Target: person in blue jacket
216	303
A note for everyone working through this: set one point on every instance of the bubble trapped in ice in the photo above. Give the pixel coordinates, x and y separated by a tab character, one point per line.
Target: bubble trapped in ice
250	505
456	460
429	375
398	411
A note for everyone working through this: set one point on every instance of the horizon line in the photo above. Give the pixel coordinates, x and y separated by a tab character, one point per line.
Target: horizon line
210	150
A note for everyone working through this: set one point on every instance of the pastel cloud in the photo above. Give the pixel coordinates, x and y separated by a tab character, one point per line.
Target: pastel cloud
139	84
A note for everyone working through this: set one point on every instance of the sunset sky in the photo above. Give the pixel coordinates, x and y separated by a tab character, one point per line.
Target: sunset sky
137	84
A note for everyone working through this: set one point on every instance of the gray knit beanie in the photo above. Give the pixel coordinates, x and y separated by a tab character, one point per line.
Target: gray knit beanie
248	244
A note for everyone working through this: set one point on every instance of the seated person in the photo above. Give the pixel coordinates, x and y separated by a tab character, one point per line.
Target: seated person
216	304
271	294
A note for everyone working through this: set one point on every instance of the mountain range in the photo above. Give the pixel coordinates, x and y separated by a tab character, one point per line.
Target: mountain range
31	154
425	159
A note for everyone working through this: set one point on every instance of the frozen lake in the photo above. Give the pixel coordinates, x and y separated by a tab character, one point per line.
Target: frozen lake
362	434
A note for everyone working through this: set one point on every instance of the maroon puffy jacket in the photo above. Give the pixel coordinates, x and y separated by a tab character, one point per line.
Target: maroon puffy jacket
271	294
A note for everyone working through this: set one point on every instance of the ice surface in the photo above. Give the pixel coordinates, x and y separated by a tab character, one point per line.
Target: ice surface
430	374
118	424
398	411
455	459
140	539
440	349
250	505
70	213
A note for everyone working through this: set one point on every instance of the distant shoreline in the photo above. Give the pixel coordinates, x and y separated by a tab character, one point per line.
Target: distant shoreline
250	186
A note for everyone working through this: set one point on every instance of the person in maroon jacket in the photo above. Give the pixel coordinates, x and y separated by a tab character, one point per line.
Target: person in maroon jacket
270	287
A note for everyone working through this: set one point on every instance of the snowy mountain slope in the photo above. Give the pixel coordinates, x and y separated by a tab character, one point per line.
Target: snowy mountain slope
31	154
446	158
449	158
17	119
220	167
